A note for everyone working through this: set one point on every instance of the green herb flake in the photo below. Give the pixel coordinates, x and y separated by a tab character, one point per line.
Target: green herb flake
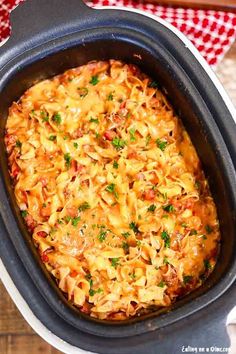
169	208
52	137
148	139
184	224
132	135
83	91
44	116
110	97
197	184
152	208
24	213
208	229
94	120
57	118
75	221
165	261
207	264
161	144
111	189
76	145
125	234
166	237
18	144
67	159
44	205
115	164
133	226
102	236
204	237
133	276
154	84
94	80
161	284
187	279
118	143
68	218
193	232
125	246
84	206
114	262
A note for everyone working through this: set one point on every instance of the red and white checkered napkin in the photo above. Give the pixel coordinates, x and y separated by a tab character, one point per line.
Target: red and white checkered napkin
212	32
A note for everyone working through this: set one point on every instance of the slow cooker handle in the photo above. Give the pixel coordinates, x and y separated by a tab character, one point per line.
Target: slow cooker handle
34	22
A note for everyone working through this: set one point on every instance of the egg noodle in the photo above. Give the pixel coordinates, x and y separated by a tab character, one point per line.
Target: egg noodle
111	189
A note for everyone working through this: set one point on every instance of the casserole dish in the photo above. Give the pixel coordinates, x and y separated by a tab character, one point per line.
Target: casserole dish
70	39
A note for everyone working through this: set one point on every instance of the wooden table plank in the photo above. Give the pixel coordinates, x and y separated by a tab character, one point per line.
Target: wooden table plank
16	336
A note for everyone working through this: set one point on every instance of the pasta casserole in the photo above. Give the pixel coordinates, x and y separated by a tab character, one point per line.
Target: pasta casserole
112	190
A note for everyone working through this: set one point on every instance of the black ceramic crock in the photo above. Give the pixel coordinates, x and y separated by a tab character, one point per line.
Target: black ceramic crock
50	36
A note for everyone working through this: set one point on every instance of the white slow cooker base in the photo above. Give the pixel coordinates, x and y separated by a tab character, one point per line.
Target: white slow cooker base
19	301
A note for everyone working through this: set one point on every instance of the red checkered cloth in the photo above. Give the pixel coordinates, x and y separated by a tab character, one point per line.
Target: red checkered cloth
212	32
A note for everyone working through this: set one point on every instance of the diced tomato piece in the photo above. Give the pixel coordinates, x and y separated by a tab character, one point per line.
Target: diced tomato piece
44	257
123	104
42	234
46	211
30	222
78	133
75	168
109	135
72	212
15	170
149	195
132	154
85	308
73	273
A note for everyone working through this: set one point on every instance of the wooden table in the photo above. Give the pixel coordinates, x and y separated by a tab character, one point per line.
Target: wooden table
16	336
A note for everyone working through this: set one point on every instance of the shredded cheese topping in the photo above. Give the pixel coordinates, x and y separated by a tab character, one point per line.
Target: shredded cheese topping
112	190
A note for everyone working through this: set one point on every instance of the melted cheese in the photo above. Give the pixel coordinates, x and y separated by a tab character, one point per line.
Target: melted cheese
112	190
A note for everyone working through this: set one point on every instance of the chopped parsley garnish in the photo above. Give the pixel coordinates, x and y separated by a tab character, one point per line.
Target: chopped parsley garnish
92	292
125	246
114	262
84	206
139	243
111	189
18	144
204	237
165	260
207	264
184	224
118	143
94	80
65	137
57	118
133	276
44	116
44	205
208	229
187	279
67	159
94	120
125	234
133	226
67	218
24	213
197	184
161	284
153	84
169	208
97	135
75	221
76	145
161	144
52	137
152	208
102	236
166	237
115	164
193	232
83	91
110	97
148	138
132	134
